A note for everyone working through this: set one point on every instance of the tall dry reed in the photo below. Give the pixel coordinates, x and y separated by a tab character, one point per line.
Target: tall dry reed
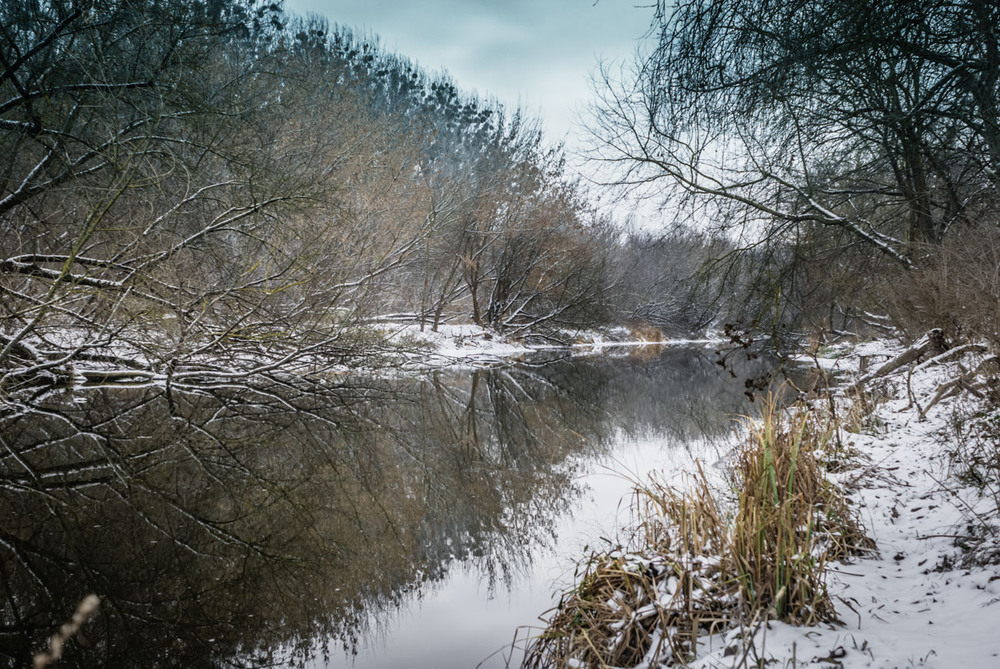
695	569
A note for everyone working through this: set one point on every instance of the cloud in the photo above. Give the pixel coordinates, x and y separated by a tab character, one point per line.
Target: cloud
527	52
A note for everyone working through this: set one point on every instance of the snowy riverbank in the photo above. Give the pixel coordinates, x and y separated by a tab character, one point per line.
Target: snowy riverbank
469	344
923	601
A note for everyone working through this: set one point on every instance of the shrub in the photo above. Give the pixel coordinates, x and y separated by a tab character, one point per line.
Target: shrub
956	288
973	449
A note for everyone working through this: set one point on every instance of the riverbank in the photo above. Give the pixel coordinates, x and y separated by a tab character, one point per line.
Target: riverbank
931	597
470	344
920	472
379	347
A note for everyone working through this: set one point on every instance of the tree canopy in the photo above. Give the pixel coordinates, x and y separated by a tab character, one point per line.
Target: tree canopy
195	189
775	116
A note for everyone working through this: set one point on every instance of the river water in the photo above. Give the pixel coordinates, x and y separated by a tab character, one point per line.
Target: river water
422	520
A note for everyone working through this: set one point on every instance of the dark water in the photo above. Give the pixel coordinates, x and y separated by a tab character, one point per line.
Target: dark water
413	521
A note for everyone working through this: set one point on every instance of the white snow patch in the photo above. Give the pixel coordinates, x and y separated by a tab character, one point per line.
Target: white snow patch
457	344
469	344
908	607
877	347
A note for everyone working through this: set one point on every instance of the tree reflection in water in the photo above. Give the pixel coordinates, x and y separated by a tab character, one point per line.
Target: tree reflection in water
239	526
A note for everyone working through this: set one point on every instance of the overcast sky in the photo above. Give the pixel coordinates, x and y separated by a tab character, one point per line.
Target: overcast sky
538	54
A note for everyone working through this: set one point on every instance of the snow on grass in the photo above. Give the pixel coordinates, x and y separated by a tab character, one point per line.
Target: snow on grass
910	606
922	601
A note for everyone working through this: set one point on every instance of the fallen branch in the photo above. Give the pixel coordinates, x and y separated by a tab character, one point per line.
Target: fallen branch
951	354
932	341
952	388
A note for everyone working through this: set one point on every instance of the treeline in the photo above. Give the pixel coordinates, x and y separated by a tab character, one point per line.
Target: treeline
843	155
189	189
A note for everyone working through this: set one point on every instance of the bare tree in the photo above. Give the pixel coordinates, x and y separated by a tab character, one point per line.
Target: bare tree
121	173
771	116
189	196
198	193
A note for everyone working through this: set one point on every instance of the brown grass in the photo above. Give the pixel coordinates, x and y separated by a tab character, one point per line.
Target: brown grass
646	332
973	449
860	416
791	519
696	570
650	605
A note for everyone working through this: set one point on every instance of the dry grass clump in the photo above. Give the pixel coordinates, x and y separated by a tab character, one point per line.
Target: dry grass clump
975	447
650	604
860	416
646	332
791	518
697	570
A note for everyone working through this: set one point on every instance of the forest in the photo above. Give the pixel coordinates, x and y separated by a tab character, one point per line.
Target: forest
194	189
846	153
198	189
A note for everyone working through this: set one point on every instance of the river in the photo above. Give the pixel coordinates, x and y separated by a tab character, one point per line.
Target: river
421	519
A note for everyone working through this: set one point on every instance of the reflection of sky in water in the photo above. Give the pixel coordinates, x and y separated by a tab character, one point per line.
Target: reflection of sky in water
460	622
223	526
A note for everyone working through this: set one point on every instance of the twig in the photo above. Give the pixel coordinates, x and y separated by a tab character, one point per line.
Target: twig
86	609
982	521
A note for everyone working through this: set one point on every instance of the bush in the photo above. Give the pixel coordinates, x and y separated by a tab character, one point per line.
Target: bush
956	287
974	455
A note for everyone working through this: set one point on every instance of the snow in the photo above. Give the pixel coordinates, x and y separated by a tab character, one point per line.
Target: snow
876	347
468	344
457	342
906	607
909	606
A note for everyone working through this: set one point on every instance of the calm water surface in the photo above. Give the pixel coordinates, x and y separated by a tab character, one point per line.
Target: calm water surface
421	521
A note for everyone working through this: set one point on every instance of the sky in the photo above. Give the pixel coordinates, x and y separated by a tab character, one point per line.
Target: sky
535	54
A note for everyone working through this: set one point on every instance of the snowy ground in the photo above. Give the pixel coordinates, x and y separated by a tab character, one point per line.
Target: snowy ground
910	606
465	344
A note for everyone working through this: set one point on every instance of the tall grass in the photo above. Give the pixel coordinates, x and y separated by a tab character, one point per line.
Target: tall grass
791	519
704	562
